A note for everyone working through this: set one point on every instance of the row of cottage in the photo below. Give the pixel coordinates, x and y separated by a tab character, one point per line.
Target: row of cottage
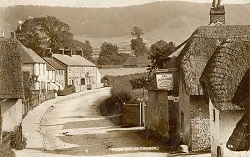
55	72
202	96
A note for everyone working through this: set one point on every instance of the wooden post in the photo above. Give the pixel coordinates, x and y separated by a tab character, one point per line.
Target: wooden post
1	128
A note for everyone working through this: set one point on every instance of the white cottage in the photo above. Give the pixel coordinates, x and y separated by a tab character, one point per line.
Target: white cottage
37	68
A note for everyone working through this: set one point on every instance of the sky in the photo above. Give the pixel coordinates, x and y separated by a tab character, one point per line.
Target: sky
99	3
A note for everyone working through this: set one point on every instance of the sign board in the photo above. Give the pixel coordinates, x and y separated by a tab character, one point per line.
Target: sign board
164	81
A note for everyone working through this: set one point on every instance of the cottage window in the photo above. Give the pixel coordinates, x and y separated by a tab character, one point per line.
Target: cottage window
214	115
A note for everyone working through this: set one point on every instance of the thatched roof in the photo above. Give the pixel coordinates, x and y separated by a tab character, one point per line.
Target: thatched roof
11	78
199	49
240	138
226	77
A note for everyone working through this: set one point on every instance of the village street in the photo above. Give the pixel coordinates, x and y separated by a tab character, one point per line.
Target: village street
73	126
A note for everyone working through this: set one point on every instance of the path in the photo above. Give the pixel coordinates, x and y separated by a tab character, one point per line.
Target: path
73	126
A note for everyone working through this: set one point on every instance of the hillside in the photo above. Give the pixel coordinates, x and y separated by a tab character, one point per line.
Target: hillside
160	20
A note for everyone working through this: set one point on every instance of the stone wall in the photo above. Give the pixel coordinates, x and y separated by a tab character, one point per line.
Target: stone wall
184	115
200	123
157	121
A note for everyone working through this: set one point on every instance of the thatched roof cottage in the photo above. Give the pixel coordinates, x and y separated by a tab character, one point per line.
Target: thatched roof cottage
11	85
227	82
193	101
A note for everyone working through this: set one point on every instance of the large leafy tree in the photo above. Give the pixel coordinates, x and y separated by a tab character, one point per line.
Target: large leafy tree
109	55
137	44
45	32
159	53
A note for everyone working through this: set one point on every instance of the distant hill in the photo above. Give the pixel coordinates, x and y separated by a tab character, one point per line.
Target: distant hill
160	20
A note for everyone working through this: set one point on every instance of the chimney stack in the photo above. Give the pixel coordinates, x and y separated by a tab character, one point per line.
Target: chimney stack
1	33
79	52
217	12
13	35
49	53
61	51
68	52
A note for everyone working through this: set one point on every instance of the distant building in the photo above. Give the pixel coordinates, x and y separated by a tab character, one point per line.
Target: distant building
139	61
79	71
56	74
11	88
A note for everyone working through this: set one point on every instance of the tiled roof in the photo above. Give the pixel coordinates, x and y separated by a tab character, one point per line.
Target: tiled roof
65	59
11	78
29	56
53	63
137	61
49	67
82	61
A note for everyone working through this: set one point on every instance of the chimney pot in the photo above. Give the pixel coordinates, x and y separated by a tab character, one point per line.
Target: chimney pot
49	53
13	35
61	51
1	33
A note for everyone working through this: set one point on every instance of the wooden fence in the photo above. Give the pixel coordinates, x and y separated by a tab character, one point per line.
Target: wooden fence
35	100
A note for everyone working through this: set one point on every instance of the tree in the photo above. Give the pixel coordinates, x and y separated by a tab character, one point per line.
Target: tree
159	53
45	32
85	47
137	44
109	55
137	32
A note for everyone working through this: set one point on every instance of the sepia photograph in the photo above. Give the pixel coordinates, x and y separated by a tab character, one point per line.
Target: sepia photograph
124	78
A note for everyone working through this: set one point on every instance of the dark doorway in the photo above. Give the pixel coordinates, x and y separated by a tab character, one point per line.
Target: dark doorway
173	111
83	81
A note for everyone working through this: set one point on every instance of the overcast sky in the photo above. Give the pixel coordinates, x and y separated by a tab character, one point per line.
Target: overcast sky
98	3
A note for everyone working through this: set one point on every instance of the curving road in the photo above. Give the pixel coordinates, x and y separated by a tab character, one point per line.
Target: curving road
73	126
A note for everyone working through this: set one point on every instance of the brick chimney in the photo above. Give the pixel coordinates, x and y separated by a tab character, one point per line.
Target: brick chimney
217	12
13	35
1	33
61	51
49	53
68	52
79	52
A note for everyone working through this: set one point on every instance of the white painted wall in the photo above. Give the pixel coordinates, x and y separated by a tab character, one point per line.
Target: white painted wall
11	113
221	129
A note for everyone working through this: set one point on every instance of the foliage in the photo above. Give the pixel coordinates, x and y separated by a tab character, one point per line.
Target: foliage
140	82
137	44
158	54
85	47
44	32
137	32
18	141
109	55
7	153
27	83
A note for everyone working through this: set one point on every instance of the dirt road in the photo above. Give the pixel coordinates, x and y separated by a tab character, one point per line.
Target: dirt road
73	126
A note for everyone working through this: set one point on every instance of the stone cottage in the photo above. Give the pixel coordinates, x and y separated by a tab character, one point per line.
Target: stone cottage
194	103
226	79
11	90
